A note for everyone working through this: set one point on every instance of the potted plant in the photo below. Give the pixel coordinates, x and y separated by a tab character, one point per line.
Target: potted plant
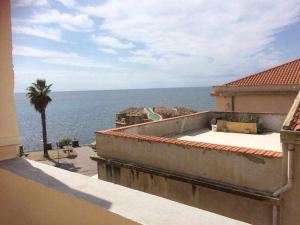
75	143
64	142
240	124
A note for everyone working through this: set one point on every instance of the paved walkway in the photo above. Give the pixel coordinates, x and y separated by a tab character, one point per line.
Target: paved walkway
81	164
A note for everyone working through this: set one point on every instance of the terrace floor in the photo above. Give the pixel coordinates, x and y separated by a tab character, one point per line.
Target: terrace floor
268	141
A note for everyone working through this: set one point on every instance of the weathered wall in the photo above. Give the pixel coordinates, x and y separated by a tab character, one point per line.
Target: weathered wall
244	209
223	103
172	126
257	103
9	136
27	202
245	170
290	212
264	103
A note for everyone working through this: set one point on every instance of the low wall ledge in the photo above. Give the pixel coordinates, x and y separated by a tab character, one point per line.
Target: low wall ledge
139	207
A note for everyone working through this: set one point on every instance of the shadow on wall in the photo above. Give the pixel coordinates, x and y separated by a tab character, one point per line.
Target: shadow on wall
24	169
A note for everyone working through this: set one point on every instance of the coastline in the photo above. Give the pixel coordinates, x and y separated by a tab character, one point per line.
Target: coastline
80	114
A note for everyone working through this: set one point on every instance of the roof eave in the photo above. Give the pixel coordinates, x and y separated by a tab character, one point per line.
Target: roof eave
224	90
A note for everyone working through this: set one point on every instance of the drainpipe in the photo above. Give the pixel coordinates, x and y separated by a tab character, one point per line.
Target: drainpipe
288	185
275	214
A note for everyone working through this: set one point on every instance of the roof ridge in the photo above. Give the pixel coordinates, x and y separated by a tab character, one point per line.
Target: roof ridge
264	71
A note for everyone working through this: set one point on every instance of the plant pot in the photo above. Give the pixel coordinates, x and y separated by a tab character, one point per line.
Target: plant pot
247	131
214	127
75	143
241	127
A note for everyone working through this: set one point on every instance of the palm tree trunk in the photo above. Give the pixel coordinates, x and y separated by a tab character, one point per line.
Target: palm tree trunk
43	117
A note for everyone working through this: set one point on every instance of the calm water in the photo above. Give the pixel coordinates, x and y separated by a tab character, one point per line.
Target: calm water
80	114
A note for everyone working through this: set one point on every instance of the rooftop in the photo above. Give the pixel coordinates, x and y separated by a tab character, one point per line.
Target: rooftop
285	74
268	141
185	146
194	130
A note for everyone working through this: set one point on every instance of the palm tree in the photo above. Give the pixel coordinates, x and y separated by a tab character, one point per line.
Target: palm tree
38	94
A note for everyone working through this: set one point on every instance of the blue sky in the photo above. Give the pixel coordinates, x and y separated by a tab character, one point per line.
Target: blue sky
124	44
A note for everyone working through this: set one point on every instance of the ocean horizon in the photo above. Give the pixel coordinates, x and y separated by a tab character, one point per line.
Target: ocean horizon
79	114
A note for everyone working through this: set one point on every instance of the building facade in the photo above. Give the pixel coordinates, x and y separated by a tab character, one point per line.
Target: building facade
251	178
273	90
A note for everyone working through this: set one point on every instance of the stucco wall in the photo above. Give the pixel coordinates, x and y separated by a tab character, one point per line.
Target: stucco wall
246	170
223	103
264	103
27	202
237	207
198	121
8	120
172	126
276	103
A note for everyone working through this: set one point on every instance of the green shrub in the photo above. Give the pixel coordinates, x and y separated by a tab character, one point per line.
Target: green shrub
65	141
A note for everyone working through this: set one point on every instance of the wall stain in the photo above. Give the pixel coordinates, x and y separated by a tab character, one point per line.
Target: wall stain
254	159
194	188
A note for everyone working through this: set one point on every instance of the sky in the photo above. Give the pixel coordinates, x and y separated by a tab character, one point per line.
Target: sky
133	44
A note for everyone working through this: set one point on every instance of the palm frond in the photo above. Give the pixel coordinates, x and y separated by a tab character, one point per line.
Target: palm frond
38	94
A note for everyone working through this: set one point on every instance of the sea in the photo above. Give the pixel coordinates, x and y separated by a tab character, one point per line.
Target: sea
79	114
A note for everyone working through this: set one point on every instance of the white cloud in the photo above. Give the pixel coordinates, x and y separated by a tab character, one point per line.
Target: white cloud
67	3
108	51
77	22
35	52
110	42
78	62
195	37
23	3
40	31
58	58
161	43
144	57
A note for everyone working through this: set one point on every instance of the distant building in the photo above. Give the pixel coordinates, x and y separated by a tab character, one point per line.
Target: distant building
272	90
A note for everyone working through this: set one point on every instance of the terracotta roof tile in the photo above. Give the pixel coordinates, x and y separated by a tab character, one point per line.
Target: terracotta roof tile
285	74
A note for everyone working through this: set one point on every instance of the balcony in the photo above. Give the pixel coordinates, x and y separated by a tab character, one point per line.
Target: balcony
35	193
